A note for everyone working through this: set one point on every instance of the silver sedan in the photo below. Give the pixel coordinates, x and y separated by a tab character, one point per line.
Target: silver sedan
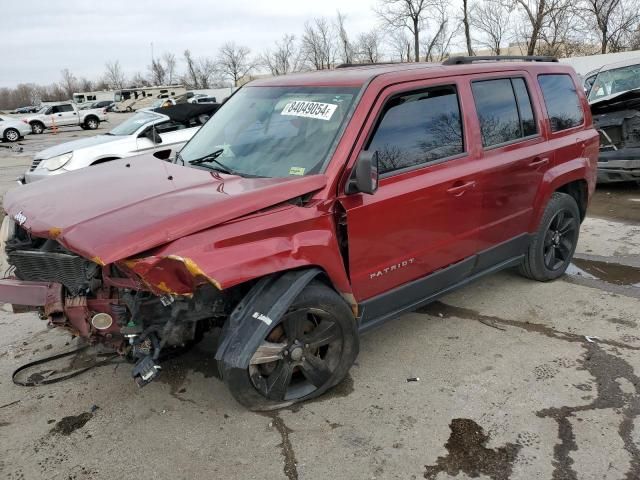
12	130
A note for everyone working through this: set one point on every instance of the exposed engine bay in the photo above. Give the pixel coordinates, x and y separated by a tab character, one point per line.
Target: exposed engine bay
618	121
103	305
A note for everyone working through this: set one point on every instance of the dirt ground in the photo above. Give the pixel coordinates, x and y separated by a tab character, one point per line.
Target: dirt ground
513	380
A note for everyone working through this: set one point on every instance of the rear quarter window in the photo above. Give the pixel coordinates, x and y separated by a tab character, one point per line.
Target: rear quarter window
561	99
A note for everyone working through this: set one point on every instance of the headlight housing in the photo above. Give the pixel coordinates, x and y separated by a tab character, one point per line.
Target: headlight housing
54	163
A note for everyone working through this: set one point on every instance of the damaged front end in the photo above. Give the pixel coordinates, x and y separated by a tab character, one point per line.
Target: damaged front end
130	306
618	122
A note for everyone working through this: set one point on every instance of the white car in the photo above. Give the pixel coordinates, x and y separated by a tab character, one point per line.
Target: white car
161	132
12	130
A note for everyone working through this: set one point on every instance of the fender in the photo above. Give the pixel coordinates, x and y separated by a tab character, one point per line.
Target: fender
556	177
257	313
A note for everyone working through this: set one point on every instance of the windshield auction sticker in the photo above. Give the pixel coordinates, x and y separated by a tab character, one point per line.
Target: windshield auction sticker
318	110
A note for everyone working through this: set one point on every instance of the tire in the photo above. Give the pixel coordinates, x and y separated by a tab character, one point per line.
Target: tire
554	244
92	123
129	109
325	331
11	135
37	127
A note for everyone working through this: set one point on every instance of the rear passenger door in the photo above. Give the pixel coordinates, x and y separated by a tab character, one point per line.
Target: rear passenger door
514	159
64	115
426	210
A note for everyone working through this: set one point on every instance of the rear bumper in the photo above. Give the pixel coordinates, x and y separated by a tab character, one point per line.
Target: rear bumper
32	294
621	165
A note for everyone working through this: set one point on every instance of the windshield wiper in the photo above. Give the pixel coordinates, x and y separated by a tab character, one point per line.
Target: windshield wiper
221	167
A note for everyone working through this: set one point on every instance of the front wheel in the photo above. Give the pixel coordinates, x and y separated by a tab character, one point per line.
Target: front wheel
11	135
308	352
554	244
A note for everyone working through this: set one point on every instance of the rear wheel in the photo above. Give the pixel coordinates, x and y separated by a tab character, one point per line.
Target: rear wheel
37	127
554	243
304	355
92	123
11	135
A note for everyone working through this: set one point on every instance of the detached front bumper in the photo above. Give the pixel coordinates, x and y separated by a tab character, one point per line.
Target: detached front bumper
23	295
621	165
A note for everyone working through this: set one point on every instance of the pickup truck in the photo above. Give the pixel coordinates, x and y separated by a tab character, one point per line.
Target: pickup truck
64	115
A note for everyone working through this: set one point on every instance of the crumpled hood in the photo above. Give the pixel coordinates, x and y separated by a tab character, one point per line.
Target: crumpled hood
113	211
75	145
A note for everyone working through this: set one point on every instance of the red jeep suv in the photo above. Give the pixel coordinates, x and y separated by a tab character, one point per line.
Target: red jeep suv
310	208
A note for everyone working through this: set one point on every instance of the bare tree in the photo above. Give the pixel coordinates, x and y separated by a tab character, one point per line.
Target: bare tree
234	61
436	46
191	77
113	75
157	72
69	83
318	44
368	47
284	58
466	24
169	60
492	18
399	45
209	73
538	14
408	14
139	80
346	49
613	20
85	85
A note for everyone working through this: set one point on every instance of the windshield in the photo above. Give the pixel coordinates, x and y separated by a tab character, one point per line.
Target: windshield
614	81
272	131
129	127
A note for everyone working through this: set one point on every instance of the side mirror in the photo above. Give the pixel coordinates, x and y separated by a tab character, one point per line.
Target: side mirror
153	135
364	176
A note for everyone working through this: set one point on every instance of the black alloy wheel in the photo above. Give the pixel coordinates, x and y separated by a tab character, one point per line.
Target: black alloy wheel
298	356
307	352
560	240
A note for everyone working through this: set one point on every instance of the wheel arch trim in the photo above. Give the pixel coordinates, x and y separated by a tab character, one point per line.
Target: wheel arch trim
258	312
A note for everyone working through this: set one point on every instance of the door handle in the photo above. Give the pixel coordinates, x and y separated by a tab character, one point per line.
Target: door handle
538	161
459	188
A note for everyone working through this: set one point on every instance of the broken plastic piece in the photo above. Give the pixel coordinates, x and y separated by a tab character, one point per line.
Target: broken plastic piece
145	371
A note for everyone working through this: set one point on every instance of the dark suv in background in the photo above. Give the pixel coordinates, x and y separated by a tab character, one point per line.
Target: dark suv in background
311	208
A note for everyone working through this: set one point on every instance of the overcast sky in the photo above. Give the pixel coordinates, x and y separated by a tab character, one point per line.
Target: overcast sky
41	37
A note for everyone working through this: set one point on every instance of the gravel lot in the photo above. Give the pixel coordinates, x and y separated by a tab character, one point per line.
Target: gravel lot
517	380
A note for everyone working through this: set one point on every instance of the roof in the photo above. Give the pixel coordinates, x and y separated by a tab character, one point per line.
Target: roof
185	111
360	75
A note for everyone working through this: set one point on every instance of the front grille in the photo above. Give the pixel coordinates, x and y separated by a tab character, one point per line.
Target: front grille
34	164
72	271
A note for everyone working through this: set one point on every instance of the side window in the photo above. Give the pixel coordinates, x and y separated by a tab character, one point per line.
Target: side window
504	110
55	109
562	101
168	126
418	128
63	108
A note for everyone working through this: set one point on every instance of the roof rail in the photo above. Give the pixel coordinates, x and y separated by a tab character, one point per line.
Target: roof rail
496	58
347	65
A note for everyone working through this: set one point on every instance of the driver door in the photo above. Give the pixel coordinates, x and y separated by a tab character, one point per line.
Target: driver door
426	212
